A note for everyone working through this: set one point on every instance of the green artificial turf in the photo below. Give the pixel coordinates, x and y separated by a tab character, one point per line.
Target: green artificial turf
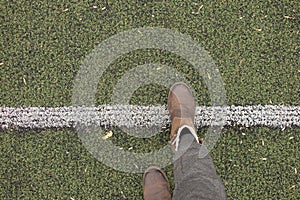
255	45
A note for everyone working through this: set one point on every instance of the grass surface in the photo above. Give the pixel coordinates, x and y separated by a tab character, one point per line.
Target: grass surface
254	44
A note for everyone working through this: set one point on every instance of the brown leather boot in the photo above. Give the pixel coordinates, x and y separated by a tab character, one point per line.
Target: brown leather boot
182	107
155	184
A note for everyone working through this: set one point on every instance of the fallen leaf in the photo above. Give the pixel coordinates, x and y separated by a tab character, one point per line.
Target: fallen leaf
159	68
292	187
24	81
108	135
288	17
208	75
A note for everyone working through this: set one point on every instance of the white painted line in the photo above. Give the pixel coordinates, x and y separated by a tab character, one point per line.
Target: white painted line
145	116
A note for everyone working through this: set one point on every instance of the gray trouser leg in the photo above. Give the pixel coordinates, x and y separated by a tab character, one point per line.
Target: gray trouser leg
195	178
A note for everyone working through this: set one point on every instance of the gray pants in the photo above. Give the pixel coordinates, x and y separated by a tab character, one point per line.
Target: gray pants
195	178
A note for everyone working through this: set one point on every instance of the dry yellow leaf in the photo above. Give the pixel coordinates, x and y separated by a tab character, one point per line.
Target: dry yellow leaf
24	81
292	187
108	135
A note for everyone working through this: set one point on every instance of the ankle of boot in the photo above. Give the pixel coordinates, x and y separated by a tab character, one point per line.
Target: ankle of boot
176	138
177	122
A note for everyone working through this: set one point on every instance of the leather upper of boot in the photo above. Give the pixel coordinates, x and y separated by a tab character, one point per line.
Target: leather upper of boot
181	102
181	106
156	185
